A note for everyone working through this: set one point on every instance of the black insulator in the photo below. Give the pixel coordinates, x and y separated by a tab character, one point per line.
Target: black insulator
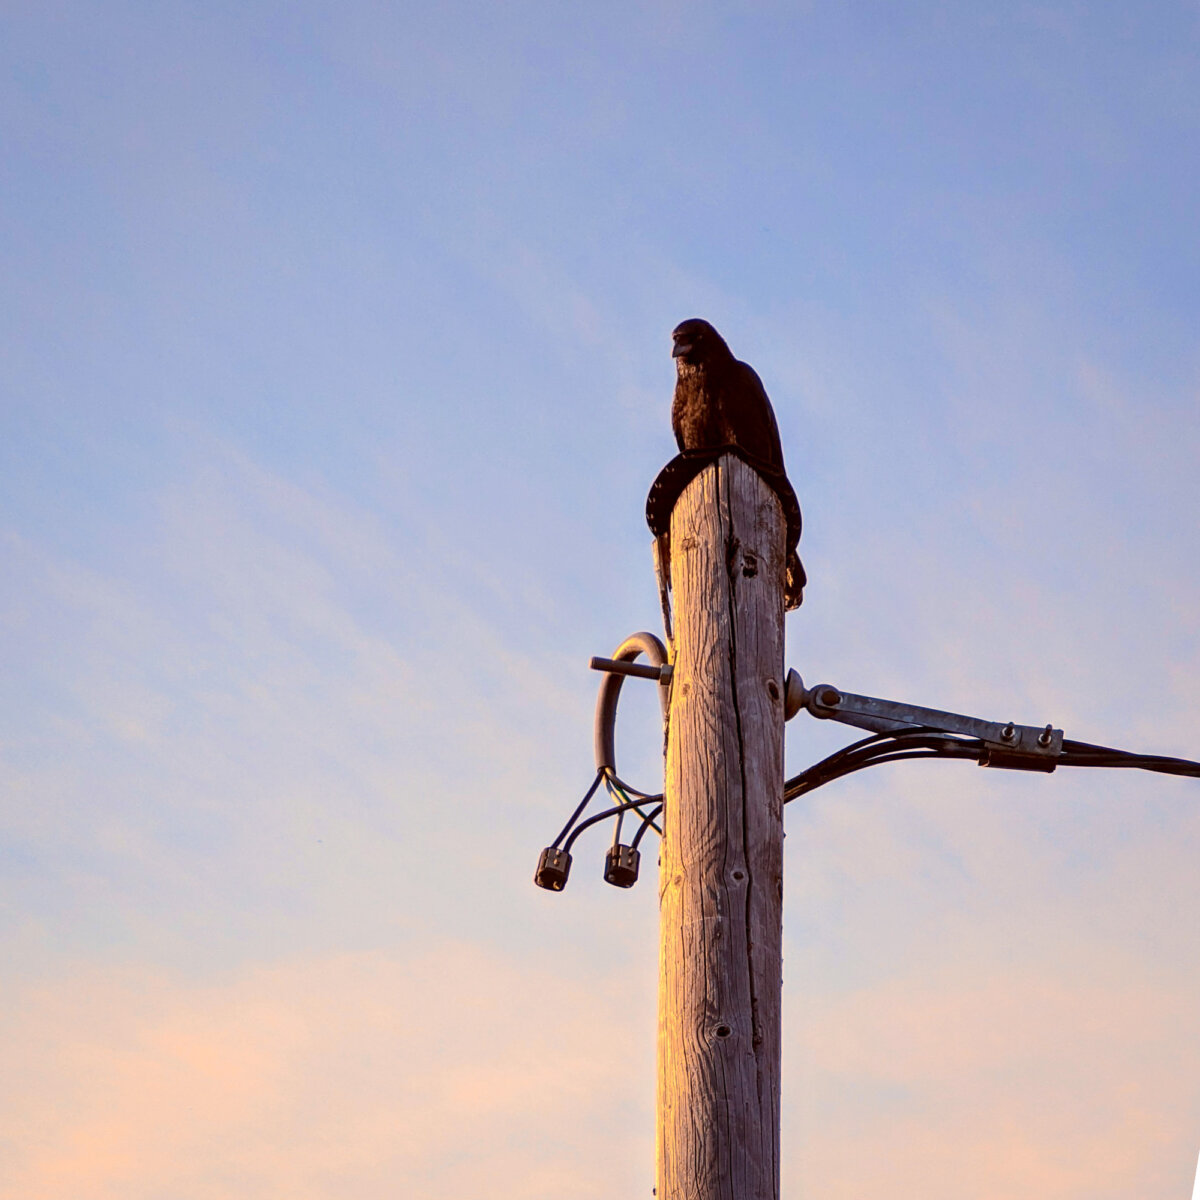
621	865
554	865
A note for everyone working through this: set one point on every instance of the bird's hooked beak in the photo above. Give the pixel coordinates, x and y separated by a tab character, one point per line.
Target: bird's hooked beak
681	348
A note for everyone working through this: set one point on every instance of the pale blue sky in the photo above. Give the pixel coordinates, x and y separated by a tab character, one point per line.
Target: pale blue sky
334	369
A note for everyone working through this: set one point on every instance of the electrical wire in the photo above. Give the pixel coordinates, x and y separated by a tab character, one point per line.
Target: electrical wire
648	823
632	791
916	742
579	808
618	797
931	743
879	748
1084	754
628	793
605	816
619	791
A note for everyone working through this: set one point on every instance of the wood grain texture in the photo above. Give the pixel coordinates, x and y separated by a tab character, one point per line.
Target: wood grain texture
721	864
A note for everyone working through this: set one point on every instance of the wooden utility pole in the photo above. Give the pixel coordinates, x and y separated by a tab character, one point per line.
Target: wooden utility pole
721	864
721	529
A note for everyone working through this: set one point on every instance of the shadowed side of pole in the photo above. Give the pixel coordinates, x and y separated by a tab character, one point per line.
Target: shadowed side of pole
721	865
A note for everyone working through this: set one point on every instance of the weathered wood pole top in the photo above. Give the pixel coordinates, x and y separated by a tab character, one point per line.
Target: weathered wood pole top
721	864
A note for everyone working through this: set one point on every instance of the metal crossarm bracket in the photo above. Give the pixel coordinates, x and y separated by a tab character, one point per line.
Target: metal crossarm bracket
1017	747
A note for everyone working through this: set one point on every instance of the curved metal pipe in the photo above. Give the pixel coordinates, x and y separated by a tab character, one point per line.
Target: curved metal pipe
604	731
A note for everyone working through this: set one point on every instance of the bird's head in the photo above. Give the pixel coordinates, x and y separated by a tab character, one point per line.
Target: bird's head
696	342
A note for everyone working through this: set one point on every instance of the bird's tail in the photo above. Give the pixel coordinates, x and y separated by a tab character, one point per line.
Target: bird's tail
793	588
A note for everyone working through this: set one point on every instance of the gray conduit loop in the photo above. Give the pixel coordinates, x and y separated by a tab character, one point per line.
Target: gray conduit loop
604	735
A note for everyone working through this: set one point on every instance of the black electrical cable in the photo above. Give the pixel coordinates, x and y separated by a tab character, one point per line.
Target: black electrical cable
579	808
1180	767
604	816
810	777
879	748
648	823
918	742
875	744
618	797
624	786
930	743
805	785
1084	754
619	789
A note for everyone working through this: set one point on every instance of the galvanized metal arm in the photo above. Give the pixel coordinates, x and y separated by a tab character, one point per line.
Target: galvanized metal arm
1006	744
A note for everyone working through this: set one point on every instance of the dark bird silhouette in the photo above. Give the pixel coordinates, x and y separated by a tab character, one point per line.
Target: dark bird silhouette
718	400
721	402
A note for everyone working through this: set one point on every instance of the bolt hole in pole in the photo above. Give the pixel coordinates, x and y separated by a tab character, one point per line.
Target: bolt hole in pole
723	1031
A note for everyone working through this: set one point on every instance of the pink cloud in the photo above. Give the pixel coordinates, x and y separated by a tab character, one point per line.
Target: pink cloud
447	1074
1021	1082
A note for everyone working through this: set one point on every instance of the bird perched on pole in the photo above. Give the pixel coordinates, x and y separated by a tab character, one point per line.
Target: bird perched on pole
718	400
721	403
